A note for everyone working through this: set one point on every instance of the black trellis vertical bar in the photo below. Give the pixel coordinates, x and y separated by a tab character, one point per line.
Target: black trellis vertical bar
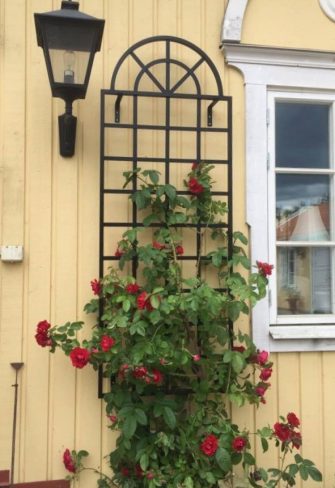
167	113
102	220
230	190
198	159
135	154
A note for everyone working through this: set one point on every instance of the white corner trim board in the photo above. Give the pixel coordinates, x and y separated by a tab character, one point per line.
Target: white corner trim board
233	20
265	70
328	6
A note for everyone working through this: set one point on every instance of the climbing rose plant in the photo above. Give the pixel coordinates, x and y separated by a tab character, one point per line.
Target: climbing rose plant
169	343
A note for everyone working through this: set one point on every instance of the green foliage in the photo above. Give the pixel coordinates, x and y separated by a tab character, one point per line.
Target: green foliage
173	355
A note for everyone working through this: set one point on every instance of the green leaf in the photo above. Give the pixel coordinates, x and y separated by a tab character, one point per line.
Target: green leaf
303	472
249	459
293	469
222	457
154	176
238	236
265	444
298	459
188	482
144	461
314	473
129	426
126	305
82	453
169	417
150	219
237	362
154	300
141	416
170	191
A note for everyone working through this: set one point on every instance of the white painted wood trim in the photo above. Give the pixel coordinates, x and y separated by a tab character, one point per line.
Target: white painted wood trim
295	71
328	6
233	20
281	332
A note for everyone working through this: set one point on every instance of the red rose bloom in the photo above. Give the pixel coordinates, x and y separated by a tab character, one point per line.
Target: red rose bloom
158	245
112	418
282	431
125	471
106	343
42	335
239	443
179	250
79	357
143	301
265	374
264	269
195	166
43	327
150	476
209	445
157	376
132	288
96	287
68	461
260	390
262	357
140	372
238	348
196	357
43	340
296	439
118	253
122	370
195	187
138	471
293	419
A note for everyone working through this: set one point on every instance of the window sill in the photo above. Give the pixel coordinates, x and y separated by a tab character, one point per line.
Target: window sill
282	332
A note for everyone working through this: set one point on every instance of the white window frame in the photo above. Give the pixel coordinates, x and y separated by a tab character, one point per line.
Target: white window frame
300	73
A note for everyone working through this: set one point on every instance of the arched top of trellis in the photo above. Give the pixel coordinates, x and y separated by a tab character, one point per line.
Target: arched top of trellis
169	83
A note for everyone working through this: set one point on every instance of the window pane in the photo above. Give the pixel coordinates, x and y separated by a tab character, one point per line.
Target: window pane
302	207
304	281
302	135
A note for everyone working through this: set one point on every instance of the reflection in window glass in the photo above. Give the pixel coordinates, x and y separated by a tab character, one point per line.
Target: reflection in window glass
302	135
303	280
302	207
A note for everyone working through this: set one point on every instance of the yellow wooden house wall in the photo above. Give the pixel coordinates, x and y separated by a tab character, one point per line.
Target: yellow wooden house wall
50	205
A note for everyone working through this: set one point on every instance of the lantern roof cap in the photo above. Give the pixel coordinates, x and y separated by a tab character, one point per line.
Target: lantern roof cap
69	11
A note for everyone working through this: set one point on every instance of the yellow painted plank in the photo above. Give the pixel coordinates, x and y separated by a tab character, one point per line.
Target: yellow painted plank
327	416
12	170
38	196
312	405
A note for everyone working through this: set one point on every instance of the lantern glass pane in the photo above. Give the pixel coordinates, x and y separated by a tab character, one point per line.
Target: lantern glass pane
69	66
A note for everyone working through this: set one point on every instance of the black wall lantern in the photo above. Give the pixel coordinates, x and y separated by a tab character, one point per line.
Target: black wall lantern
69	40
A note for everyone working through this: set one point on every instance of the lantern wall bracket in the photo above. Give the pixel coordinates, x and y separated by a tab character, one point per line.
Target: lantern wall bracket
67	124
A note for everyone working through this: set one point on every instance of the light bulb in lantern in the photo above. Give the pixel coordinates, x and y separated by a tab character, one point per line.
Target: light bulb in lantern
69	62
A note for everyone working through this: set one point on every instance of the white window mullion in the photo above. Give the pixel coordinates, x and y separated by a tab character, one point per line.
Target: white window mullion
272	206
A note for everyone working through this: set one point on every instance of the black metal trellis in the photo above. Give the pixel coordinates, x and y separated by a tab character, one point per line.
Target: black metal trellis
167	88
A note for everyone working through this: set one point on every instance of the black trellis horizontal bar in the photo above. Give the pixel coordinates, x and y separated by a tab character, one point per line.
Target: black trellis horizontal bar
179	258
181	192
164	95
159	224
179	128
145	159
